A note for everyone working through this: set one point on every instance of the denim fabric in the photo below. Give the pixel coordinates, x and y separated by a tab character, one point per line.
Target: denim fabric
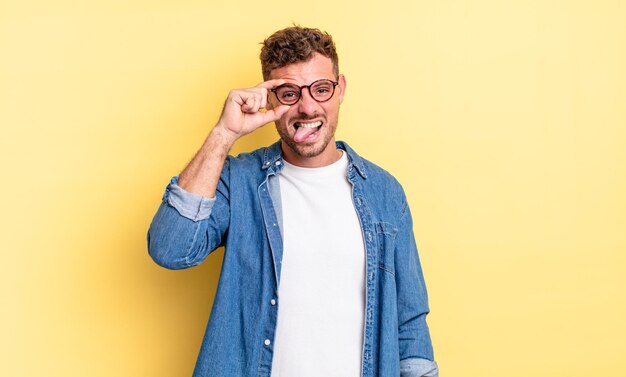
418	368
245	217
192	206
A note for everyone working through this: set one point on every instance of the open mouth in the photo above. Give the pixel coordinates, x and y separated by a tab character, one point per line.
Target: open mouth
306	131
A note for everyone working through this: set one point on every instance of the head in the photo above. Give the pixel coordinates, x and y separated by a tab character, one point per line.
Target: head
296	44
302	56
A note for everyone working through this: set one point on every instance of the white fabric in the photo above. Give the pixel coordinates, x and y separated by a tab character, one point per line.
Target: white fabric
321	297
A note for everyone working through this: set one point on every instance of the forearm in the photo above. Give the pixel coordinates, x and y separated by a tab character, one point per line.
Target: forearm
185	228
202	174
241	115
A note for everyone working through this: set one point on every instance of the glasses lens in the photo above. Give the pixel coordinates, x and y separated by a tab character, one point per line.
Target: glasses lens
288	94
322	90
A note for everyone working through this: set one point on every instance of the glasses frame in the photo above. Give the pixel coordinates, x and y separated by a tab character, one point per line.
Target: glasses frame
300	88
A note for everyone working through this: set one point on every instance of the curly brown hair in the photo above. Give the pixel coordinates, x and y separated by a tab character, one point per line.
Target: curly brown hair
296	44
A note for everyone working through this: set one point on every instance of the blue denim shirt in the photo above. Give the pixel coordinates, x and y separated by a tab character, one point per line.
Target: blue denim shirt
245	217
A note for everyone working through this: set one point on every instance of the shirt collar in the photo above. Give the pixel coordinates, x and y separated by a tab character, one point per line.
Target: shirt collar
273	153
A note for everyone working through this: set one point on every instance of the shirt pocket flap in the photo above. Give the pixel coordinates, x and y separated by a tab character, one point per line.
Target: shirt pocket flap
386	237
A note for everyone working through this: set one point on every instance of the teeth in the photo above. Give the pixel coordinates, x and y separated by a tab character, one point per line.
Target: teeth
311	125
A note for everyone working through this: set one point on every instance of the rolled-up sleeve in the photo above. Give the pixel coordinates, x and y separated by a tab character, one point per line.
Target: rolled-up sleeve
416	367
192	206
187	227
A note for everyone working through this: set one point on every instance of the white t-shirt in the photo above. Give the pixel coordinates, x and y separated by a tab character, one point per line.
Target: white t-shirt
321	297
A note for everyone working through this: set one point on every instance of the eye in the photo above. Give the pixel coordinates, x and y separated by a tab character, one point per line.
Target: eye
288	94
322	89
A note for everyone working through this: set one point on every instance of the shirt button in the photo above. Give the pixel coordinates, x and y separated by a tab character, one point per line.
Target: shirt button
273	302
369	236
277	163
267	342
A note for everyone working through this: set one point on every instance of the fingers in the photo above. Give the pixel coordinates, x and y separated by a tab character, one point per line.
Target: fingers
251	103
253	99
250	100
269	84
248	109
275	114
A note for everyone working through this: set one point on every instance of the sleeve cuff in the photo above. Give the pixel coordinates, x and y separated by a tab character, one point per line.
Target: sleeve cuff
416	367
192	206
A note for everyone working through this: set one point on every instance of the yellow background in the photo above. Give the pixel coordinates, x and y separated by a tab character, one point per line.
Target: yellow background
504	120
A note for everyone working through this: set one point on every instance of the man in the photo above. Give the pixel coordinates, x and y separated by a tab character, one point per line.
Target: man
321	275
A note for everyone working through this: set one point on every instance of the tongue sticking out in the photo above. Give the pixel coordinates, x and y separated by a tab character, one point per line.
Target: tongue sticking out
303	133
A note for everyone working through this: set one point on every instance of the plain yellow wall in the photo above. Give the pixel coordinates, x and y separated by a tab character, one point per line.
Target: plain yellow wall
504	120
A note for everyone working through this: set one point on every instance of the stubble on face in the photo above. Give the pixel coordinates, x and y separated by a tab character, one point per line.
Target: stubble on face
308	150
319	151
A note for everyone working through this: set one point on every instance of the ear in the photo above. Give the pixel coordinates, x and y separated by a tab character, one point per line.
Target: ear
342	87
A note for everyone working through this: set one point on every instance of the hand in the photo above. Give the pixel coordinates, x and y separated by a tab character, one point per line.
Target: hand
242	110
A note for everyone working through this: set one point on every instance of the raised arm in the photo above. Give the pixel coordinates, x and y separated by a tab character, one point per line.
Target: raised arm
241	115
191	204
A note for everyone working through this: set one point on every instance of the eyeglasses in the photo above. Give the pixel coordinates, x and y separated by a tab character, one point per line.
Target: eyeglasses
321	91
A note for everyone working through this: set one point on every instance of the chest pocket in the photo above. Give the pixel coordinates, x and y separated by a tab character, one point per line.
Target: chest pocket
386	238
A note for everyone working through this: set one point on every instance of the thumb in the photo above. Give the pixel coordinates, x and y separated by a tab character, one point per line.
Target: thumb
276	113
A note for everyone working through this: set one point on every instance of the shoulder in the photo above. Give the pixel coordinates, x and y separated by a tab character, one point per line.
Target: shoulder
369	171
385	194
380	175
383	182
381	189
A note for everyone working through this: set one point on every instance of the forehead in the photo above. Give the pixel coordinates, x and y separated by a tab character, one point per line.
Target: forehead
318	67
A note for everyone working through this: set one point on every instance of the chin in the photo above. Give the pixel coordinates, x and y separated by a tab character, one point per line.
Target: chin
307	150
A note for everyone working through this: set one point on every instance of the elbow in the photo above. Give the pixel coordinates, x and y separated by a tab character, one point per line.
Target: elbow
172	240
165	255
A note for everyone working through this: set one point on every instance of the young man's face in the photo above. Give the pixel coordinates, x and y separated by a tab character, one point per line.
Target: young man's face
307	129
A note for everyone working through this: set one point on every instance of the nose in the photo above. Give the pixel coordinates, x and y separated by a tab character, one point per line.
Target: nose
307	105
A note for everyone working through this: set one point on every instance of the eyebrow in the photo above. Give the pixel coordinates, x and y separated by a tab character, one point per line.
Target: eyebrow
298	85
